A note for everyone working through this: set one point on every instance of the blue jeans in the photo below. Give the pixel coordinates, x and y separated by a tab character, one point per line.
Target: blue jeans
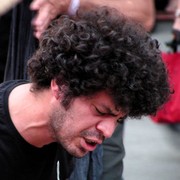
89	167
105	163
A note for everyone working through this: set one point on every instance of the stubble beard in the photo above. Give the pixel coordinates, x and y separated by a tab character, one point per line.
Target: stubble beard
57	121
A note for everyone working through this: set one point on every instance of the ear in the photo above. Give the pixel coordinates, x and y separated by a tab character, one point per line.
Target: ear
55	89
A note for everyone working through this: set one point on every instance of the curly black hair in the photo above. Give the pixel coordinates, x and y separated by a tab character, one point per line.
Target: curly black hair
102	50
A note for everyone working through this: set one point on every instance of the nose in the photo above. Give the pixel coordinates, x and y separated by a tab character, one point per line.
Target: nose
106	127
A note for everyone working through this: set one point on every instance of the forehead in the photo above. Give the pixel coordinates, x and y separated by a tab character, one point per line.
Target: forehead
99	98
104	101
103	98
101	95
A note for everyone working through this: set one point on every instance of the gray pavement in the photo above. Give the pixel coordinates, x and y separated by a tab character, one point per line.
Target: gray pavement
152	150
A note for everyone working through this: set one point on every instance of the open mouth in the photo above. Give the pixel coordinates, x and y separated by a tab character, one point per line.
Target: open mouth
91	143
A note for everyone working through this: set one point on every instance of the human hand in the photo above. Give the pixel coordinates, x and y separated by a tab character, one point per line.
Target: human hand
46	11
176	29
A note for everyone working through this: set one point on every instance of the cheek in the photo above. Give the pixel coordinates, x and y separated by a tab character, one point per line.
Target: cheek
85	121
81	119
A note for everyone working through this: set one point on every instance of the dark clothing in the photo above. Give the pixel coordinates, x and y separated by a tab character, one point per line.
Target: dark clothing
17	42
4	39
114	152
161	4
18	159
22	43
89	167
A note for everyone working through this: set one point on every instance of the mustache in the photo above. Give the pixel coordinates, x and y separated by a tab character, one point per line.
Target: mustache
95	134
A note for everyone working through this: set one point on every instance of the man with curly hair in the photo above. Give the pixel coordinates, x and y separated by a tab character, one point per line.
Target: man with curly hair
90	72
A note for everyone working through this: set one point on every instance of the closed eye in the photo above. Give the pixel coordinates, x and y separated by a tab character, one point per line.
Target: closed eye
120	120
99	112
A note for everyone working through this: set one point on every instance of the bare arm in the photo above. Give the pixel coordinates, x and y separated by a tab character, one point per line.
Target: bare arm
6	5
176	24
141	10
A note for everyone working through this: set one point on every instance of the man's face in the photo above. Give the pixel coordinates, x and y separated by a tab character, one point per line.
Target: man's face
86	123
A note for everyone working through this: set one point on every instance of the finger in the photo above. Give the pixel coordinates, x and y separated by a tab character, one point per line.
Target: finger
42	20
37	4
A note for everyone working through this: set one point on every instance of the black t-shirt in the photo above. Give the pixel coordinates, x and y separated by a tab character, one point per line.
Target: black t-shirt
18	159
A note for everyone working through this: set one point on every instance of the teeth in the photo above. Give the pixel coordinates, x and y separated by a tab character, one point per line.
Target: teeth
90	142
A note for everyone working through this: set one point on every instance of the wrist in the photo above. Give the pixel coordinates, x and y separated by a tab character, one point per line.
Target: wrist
177	13
73	7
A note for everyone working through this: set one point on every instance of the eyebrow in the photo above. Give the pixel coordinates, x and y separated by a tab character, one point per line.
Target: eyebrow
109	111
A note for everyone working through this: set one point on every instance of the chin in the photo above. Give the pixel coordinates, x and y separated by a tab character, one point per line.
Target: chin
78	153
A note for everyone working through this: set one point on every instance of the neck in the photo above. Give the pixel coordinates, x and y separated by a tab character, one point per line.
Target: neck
29	113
